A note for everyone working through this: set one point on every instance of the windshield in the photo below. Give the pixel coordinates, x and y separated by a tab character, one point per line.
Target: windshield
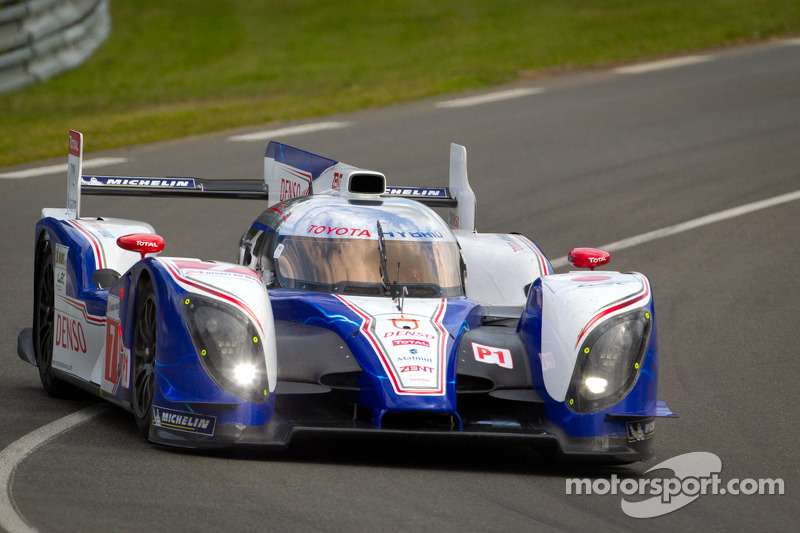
353	266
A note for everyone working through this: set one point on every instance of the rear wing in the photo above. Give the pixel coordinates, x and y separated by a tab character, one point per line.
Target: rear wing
288	173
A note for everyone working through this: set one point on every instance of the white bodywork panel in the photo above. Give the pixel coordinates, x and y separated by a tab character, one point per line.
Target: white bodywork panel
573	305
499	267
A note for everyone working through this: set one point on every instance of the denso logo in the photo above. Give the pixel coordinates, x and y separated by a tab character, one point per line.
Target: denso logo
409	333
291	189
69	334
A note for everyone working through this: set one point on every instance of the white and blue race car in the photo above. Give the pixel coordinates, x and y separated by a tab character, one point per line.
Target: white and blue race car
353	308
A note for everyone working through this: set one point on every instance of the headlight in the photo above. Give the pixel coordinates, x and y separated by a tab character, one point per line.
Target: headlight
229	347
608	362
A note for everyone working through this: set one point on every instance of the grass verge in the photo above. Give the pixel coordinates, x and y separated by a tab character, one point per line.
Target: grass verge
172	69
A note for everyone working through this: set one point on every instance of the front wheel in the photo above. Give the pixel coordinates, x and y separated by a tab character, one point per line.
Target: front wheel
144	359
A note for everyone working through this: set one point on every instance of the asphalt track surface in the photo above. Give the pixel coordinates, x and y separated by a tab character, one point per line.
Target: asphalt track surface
593	158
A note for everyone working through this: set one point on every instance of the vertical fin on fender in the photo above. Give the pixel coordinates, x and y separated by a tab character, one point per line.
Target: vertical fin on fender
74	164
461	217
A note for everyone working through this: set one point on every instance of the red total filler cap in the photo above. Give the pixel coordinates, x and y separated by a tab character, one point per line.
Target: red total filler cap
590	258
143	243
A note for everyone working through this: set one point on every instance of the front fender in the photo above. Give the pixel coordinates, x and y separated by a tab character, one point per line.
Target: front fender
563	314
182	383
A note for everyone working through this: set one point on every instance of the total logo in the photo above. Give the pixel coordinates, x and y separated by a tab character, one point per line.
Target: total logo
411	342
74	144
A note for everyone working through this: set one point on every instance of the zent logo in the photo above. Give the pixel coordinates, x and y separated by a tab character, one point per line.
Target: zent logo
416	368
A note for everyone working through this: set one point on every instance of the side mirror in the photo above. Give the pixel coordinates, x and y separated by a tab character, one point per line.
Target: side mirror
590	258
143	243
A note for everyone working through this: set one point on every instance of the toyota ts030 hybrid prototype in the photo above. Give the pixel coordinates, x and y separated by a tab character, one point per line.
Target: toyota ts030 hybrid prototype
353	308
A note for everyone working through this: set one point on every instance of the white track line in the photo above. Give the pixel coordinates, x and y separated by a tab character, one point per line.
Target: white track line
692	224
291	130
490	97
663	64
55	169
10	457
791	42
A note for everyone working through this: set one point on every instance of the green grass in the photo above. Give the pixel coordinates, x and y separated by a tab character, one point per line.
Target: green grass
177	68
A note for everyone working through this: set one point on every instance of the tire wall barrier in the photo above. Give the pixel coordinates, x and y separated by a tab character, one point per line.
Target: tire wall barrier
42	38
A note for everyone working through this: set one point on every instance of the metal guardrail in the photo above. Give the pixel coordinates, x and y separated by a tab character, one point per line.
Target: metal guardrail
42	38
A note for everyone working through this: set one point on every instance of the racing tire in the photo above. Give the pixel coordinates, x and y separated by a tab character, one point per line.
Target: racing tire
143	357
43	321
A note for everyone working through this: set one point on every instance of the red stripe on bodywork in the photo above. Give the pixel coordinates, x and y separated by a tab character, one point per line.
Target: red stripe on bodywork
81	306
96	247
219	294
636	297
542	260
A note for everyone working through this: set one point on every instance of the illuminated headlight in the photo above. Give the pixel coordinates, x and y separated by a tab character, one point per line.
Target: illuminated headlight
596	385
608	362
229	347
245	374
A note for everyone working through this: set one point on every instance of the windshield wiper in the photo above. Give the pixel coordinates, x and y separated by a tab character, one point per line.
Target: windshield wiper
382	250
391	289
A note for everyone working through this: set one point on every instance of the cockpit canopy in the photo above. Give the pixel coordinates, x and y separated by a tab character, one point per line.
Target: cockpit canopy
358	247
